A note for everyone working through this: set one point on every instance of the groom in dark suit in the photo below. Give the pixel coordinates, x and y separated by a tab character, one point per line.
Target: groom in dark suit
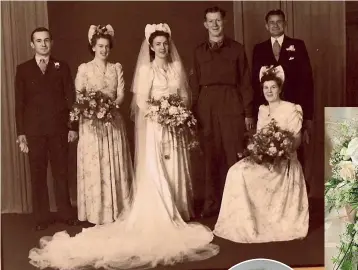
44	93
292	55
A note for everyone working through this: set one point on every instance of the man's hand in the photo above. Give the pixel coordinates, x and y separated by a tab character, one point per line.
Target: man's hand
21	140
307	131
249	122
72	136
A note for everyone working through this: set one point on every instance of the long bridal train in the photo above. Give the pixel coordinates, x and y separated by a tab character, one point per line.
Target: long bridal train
145	236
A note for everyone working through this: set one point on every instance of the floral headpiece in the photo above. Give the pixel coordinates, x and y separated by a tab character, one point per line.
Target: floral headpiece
100	29
151	28
277	71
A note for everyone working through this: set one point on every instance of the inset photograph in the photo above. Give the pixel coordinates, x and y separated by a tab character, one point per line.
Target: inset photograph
261	264
341	187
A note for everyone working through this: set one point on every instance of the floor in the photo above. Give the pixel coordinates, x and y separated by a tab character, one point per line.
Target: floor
18	237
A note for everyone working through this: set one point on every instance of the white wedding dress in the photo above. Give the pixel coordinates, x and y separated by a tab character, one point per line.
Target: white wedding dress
260	205
151	232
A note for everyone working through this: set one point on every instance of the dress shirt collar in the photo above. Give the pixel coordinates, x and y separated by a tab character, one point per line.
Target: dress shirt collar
279	39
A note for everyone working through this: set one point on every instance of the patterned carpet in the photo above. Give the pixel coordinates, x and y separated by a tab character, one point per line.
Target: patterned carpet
18	237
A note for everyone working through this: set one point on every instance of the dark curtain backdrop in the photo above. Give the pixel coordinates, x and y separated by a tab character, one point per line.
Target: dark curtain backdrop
320	24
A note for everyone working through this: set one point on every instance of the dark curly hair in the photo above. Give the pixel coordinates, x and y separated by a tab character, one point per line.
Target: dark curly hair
271	76
152	37
97	35
40	29
215	10
277	12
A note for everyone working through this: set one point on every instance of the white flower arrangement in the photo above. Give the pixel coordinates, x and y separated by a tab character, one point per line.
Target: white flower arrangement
171	112
341	189
291	48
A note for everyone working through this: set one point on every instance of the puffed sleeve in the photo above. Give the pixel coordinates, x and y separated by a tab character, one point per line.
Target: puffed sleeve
261	116
120	83
81	79
295	118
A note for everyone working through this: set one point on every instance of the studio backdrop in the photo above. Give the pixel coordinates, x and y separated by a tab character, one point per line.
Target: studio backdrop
69	23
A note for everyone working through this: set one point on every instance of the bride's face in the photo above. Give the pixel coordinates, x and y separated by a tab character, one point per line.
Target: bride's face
271	91
102	48
160	47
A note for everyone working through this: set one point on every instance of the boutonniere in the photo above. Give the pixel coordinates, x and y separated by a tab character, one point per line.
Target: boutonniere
291	48
57	65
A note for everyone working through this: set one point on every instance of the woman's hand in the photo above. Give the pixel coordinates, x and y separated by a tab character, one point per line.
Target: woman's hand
21	140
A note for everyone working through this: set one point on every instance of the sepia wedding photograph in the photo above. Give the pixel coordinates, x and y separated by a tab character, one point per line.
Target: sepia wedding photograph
176	134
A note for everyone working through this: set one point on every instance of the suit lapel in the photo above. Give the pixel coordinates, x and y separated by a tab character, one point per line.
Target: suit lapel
284	52
36	67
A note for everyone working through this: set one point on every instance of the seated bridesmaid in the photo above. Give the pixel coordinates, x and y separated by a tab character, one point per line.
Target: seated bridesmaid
263	205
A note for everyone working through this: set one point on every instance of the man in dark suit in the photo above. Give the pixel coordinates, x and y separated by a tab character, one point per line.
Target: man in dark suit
222	102
292	55
44	94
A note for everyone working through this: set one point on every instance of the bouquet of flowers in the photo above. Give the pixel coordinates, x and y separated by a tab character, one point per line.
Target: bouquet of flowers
270	145
94	105
341	189
171	112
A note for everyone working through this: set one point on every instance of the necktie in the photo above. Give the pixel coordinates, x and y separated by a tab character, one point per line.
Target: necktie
42	65
214	46
276	49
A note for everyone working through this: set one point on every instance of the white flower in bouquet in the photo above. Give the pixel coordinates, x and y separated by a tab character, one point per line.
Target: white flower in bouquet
93	103
272	150
280	153
73	117
165	104
278	135
250	147
173	110
154	109
286	142
343	153
100	115
352	150
265	130
347	170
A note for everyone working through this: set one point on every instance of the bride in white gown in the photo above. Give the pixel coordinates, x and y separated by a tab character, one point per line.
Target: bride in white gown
152	231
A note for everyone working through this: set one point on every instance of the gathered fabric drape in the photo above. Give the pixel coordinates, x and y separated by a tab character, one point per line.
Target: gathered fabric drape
18	20
325	39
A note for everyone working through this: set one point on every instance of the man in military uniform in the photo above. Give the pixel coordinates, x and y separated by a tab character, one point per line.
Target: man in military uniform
222	102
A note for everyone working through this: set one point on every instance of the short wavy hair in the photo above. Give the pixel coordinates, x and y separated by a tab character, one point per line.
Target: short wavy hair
96	37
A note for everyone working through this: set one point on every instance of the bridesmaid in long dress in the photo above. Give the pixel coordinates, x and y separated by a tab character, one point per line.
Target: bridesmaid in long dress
103	158
260	205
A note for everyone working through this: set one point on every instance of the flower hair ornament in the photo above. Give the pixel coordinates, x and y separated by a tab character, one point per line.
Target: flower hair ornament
100	29
151	28
277	71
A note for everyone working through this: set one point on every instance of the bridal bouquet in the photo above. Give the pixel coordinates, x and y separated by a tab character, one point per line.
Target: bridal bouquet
341	189
171	112
94	105
270	145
